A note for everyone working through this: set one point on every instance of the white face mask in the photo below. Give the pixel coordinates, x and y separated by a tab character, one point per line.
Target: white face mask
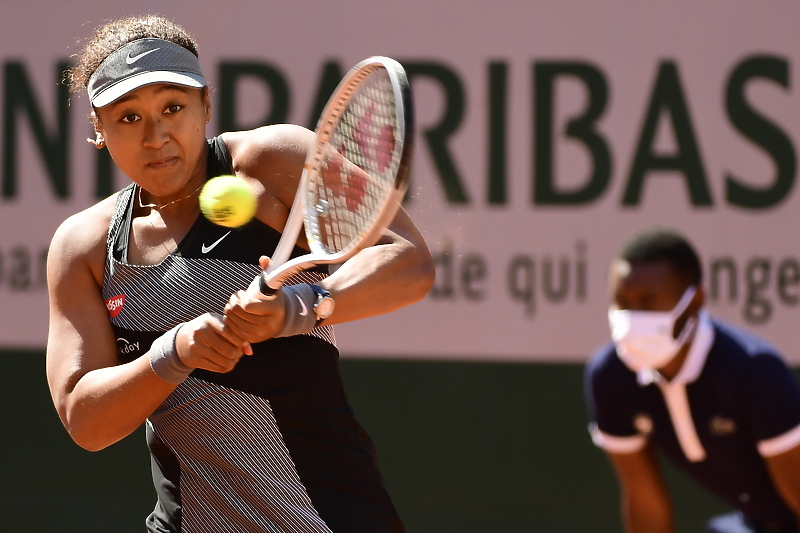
644	339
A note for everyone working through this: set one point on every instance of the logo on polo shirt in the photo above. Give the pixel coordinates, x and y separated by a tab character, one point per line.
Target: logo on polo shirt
721	426
643	424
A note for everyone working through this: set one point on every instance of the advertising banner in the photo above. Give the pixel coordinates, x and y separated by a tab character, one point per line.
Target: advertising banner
547	133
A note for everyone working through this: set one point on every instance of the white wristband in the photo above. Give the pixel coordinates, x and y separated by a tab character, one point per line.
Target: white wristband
164	358
300	317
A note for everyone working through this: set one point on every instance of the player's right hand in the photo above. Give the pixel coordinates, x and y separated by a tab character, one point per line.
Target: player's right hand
205	342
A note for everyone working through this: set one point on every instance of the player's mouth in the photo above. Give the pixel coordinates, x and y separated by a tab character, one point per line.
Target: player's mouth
160	164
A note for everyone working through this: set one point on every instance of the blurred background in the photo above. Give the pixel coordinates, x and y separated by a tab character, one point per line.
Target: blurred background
547	133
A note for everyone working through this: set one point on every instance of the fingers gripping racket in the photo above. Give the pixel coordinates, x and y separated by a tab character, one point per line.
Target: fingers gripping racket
355	174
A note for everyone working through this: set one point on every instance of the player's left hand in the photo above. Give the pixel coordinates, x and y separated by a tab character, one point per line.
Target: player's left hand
255	318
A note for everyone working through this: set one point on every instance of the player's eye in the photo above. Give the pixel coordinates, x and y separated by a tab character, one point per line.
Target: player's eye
173	109
130	118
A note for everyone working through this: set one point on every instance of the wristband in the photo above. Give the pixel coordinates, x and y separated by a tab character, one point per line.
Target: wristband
164	358
300	317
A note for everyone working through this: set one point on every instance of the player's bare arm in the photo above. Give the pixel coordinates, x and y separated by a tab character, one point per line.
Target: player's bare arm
98	400
785	471
394	273
399	267
646	505
271	159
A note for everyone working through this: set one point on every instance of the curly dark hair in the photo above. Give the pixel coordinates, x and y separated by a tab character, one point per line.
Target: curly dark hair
664	244
114	34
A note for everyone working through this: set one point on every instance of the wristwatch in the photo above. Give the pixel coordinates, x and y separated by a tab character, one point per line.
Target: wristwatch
324	305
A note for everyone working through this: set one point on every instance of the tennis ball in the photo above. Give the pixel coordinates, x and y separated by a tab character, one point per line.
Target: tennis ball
228	201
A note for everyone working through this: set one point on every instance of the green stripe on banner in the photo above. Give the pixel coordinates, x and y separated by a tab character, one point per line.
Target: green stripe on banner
464	447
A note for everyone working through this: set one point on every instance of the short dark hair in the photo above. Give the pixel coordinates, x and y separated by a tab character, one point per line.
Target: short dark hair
664	244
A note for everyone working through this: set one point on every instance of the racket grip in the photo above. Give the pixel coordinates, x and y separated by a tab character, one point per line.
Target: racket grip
266	290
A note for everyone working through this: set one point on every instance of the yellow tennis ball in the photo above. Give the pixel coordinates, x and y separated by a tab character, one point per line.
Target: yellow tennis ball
228	201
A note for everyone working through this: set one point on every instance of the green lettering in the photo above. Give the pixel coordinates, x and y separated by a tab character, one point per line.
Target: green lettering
581	128
104	173
668	99
788	281
719	267
757	308
53	145
497	118
229	76
331	75
438	135
761	132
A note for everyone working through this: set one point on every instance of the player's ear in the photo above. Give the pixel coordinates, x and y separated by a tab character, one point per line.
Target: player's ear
699	300
207	103
99	141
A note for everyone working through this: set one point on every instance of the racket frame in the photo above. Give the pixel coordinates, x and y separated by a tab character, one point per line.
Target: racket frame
280	267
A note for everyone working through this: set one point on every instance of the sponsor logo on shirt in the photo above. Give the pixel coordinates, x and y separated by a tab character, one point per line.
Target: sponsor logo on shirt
205	249
126	347
114	305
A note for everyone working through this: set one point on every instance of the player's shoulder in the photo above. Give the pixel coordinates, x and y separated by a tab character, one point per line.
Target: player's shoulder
273	155
743	351
735	339
267	140
606	377
79	244
604	364
86	230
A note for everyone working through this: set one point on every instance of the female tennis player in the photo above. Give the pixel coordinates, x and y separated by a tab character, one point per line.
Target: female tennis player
246	420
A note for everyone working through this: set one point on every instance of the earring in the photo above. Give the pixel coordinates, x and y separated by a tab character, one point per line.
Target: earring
98	141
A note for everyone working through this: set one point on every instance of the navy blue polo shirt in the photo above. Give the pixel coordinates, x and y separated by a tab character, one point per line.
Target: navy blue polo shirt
744	402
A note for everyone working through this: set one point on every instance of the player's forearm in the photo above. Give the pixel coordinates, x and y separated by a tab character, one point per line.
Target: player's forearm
642	518
108	404
379	280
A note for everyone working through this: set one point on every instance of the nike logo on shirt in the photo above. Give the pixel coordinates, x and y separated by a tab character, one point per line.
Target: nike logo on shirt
130	60
205	249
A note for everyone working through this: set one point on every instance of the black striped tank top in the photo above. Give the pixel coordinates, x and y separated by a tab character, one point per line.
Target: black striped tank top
270	446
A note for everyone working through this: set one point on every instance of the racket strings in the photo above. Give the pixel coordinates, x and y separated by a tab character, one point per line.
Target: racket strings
358	166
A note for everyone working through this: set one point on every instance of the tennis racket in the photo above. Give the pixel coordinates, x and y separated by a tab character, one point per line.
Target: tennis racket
355	174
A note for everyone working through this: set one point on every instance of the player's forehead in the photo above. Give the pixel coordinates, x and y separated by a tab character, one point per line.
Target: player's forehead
156	89
652	281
